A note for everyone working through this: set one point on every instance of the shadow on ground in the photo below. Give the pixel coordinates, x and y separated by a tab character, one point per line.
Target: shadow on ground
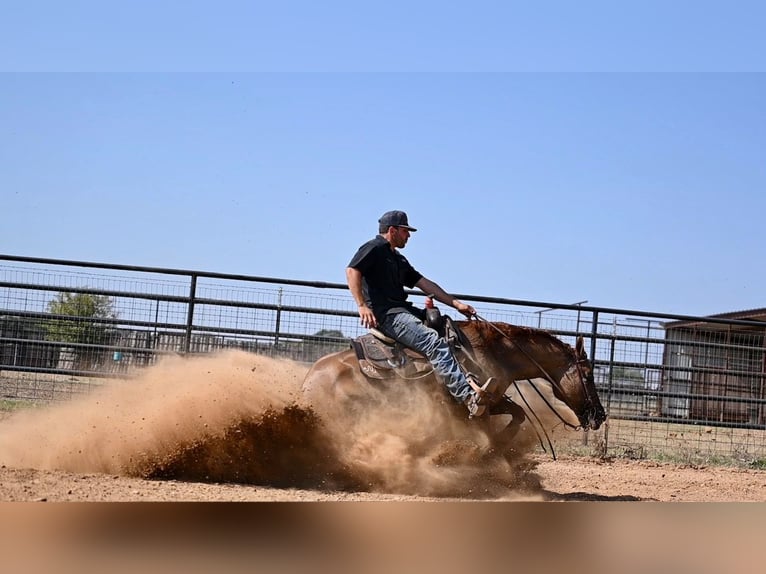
549	495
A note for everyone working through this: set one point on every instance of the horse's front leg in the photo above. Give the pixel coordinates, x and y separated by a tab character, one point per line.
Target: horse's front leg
504	437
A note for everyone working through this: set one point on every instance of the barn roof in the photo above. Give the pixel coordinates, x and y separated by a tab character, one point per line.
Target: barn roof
755	316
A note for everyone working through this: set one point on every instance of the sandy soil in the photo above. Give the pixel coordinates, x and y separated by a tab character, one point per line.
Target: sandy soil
232	428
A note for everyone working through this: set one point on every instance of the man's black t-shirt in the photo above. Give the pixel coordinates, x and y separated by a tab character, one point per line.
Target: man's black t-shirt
385	274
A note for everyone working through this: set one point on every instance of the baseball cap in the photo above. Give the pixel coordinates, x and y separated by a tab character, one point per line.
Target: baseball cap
396	219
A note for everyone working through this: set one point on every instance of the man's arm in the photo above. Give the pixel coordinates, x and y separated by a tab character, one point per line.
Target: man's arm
354	280
430	288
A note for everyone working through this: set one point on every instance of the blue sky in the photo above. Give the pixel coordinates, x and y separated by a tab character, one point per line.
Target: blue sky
397	35
642	189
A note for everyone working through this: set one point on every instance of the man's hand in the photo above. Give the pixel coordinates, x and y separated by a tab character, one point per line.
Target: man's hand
354	279
465	309
368	317
428	286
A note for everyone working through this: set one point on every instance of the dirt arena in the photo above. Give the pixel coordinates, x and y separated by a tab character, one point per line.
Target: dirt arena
232	428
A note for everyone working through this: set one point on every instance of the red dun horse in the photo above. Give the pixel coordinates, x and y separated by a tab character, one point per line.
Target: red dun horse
507	352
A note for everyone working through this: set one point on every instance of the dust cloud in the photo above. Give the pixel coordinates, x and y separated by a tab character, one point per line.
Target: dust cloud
241	418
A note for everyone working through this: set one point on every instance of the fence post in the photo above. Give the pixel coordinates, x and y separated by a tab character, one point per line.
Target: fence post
592	355
278	321
156	320
593	336
190	314
609	395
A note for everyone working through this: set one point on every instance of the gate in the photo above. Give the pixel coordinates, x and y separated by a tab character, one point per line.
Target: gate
690	389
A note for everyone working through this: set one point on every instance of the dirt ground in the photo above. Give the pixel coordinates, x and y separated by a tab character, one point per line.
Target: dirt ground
570	479
232	428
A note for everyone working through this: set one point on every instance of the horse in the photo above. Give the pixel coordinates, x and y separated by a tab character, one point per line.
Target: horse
507	352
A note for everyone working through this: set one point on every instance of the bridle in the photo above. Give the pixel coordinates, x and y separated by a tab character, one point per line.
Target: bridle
576	366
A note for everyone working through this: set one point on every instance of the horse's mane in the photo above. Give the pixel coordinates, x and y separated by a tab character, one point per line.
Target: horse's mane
491	334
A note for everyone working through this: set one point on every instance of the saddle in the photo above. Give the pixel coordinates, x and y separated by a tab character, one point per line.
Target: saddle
381	357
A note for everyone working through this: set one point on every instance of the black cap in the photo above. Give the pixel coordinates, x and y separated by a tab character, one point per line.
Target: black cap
395	219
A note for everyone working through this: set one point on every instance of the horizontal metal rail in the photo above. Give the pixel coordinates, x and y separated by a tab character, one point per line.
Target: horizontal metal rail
342	286
690	422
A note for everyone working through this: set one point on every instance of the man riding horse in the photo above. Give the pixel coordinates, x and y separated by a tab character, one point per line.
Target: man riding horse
377	276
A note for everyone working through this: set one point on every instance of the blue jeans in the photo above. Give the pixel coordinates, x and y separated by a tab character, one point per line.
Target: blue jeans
410	331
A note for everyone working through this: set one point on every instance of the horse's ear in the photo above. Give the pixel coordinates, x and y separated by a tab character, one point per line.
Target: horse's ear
580	347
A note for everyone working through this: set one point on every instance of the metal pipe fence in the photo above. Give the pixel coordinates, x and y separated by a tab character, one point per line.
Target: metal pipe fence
675	387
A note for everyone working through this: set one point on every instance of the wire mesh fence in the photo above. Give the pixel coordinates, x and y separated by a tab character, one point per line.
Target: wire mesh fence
684	388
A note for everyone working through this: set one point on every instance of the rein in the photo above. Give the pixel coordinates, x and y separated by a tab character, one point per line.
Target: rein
545	373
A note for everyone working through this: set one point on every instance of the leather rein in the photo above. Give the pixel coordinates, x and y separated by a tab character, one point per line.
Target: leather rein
577	365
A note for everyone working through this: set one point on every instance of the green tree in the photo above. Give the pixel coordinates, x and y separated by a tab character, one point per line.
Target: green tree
78	322
329	333
318	348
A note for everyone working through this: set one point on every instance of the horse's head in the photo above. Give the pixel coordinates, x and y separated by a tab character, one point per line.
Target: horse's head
577	389
516	353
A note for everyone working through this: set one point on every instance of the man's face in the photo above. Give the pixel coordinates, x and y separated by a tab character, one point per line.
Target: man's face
400	236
